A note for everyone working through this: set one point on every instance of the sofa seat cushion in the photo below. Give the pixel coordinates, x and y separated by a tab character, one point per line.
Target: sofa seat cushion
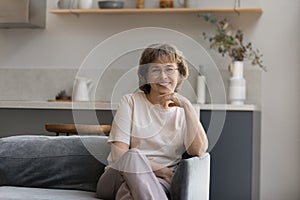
64	162
26	193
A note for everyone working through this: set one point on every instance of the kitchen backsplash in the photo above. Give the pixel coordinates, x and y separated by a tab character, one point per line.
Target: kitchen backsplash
44	84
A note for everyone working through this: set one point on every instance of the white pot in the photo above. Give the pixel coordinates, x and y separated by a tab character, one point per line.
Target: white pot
237	84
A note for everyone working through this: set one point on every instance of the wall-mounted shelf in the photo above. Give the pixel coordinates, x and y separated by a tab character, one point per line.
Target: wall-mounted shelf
154	10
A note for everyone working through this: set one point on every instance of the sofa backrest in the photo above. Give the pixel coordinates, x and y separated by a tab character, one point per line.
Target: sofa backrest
63	162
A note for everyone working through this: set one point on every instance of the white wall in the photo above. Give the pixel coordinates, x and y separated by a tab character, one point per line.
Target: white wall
278	35
67	39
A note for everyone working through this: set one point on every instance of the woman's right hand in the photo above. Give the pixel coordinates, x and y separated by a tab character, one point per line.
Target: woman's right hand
117	150
165	173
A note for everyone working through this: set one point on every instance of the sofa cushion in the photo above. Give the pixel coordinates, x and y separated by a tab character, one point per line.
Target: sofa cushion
64	162
26	193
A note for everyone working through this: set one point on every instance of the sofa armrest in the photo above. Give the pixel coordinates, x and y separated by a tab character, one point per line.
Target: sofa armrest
191	179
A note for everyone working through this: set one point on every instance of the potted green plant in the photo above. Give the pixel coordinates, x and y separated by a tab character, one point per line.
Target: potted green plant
229	42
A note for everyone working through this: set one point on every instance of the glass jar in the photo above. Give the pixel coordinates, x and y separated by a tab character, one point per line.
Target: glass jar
166	4
140	4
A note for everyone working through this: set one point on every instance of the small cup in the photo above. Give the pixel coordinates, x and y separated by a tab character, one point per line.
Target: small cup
192	3
151	3
187	3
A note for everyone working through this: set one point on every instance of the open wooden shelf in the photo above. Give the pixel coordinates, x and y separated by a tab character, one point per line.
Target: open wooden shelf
154	10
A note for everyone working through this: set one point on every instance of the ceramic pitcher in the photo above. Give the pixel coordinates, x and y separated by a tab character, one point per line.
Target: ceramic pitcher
82	89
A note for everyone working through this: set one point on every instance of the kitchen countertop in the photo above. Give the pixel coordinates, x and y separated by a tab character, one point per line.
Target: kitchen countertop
98	105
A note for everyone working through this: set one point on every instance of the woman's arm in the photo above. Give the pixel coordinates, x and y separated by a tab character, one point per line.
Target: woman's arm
119	136
117	150
196	139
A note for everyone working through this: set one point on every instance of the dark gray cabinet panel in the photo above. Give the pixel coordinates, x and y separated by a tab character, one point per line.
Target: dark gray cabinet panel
235	157
32	121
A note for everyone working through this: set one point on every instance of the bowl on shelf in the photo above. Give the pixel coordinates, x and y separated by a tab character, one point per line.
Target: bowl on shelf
110	4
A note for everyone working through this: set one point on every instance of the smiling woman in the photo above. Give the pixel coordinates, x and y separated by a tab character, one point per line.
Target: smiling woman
151	130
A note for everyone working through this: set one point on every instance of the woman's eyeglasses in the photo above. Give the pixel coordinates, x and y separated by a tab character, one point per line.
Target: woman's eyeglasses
156	71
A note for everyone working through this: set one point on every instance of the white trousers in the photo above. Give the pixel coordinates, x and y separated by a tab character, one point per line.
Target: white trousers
121	182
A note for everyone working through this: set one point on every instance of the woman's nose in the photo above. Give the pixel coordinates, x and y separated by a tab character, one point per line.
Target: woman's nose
163	74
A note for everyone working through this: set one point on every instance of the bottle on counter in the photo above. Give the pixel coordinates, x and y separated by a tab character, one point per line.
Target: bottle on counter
201	86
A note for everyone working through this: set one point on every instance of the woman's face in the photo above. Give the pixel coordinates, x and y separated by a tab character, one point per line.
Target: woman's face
163	77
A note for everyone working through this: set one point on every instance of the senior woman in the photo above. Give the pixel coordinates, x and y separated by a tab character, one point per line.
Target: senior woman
151	130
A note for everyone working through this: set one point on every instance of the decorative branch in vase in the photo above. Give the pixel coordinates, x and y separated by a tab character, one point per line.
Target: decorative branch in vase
227	41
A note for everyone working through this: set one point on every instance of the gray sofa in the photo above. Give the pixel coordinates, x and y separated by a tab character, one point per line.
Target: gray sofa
68	167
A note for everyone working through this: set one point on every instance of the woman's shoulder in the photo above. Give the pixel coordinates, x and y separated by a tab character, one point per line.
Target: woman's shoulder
136	96
133	98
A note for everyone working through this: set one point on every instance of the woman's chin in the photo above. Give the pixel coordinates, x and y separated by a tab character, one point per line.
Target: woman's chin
165	91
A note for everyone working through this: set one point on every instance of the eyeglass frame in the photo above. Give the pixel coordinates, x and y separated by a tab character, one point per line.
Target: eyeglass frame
164	69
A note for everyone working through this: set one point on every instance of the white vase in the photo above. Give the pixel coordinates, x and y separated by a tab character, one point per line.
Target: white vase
201	89
237	84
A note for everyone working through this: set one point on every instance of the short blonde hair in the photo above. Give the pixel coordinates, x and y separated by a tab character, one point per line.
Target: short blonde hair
164	53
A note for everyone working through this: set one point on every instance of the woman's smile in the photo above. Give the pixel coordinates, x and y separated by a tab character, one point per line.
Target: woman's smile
164	84
162	87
